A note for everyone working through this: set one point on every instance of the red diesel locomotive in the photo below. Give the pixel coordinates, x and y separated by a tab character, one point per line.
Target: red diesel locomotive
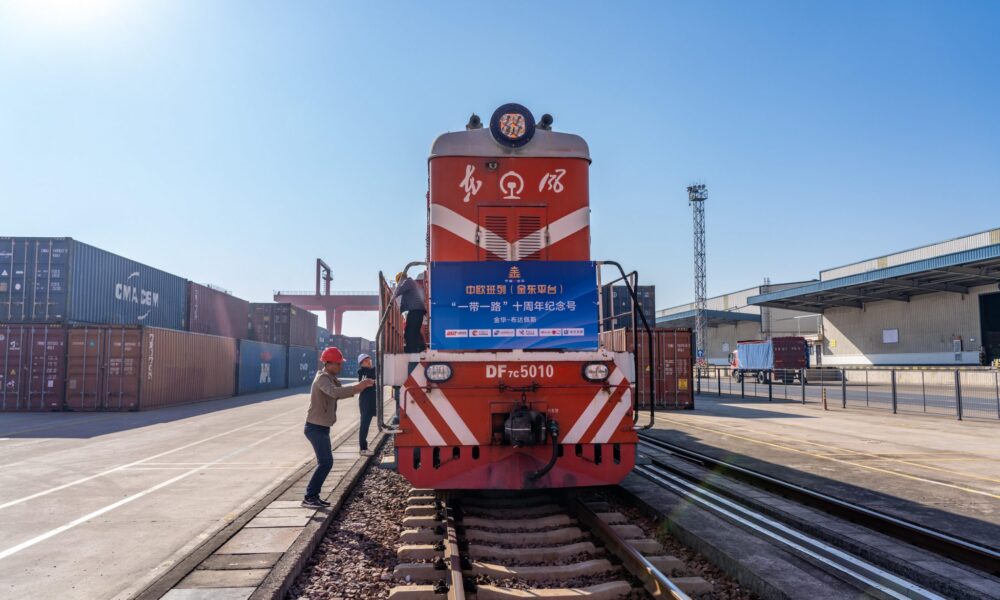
513	404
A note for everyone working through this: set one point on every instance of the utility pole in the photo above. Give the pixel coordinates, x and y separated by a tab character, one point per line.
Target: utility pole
697	194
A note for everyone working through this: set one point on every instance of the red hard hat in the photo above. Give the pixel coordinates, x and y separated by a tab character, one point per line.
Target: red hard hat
332	354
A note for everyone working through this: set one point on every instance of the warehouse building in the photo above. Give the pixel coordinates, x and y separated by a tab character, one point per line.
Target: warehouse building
934	305
731	318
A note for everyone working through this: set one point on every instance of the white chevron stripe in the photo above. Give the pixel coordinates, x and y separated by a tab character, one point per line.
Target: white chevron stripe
423	424
466	229
593	409
444	407
604	433
452	418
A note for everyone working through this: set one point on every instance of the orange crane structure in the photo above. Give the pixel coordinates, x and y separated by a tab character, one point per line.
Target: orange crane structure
334	304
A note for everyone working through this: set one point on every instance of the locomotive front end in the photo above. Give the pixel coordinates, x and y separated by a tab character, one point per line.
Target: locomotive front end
514	390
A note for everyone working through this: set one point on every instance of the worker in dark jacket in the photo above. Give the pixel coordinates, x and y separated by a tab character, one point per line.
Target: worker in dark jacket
411	302
366	402
326	391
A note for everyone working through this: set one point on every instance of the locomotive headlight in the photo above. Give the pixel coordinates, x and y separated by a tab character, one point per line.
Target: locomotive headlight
596	372
438	372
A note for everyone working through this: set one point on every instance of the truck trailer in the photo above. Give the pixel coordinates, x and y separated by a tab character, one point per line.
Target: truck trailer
782	358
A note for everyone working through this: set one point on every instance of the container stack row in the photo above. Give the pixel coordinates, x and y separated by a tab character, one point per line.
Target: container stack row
84	329
671	365
616	306
352	347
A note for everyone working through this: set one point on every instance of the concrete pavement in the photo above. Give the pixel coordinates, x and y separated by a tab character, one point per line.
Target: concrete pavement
96	505
942	473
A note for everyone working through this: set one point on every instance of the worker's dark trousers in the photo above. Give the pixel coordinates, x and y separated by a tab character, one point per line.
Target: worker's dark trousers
319	437
412	337
367	405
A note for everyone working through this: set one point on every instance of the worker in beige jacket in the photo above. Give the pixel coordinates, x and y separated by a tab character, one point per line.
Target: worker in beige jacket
326	391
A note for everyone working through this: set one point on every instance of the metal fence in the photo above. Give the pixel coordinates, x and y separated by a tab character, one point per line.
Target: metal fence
959	393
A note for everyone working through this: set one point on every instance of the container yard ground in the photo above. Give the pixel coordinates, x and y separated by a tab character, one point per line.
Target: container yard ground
944	474
97	505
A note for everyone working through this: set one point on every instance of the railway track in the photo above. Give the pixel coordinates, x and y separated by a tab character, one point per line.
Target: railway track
547	546
828	554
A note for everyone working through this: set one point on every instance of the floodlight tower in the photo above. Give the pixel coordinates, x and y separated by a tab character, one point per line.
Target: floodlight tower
697	194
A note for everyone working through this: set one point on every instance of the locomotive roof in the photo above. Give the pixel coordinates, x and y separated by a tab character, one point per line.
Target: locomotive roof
480	142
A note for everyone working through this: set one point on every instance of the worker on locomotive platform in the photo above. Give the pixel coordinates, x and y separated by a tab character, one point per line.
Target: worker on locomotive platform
366	402
411	302
326	391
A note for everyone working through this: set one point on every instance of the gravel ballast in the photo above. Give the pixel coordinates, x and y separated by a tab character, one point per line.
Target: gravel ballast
358	553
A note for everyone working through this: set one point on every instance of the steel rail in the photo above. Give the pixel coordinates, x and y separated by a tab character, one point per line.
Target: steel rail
452	554
853	569
958	549
657	584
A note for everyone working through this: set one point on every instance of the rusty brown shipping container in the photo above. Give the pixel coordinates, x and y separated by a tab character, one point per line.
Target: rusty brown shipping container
33	363
216	312
282	323
127	368
673	369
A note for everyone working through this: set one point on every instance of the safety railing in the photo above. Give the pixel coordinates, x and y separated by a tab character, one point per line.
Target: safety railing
957	393
631	281
388	338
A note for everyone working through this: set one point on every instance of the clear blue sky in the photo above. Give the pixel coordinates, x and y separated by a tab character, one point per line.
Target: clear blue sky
233	142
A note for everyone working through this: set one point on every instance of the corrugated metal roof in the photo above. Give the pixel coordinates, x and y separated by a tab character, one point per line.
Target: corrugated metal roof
959	244
714	317
954	272
733	301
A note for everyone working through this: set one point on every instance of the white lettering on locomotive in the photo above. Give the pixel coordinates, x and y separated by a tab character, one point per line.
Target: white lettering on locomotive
552	181
470	184
519	371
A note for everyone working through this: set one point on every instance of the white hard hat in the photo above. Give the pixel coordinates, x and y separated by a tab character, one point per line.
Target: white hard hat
362	357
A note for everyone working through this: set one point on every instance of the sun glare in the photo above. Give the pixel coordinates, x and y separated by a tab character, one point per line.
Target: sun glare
64	15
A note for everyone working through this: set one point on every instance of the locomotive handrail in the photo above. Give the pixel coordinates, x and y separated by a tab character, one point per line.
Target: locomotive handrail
637	311
380	350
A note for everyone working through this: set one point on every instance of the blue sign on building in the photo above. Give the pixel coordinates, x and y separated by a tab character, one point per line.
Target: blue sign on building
508	305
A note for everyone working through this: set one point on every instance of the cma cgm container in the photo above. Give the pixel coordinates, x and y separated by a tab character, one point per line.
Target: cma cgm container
262	367
216	312
32	367
282	323
61	280
131	368
302	364
672	366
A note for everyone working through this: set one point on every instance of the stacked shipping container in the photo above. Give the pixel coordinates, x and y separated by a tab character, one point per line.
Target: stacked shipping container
138	368
303	362
61	280
616	305
215	312
282	323
32	358
84	329
671	365
263	367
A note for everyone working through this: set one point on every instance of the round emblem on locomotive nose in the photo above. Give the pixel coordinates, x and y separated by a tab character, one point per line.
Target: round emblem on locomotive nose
512	125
